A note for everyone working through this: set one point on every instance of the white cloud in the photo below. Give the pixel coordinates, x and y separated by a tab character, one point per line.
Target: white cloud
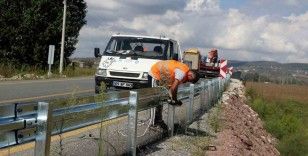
203	24
242	32
202	5
209	7
106	4
284	2
169	24
292	2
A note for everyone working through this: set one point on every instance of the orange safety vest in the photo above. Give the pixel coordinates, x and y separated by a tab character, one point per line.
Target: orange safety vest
165	70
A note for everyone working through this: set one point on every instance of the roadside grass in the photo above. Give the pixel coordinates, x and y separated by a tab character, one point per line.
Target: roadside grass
274	92
10	70
284	110
214	120
75	72
71	117
7	70
196	145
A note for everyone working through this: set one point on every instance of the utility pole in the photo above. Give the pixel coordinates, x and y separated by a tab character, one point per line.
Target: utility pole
62	40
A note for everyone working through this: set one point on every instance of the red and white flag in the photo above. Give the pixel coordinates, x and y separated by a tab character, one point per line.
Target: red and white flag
223	68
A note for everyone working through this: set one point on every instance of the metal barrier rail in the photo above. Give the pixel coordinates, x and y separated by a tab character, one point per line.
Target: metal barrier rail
24	122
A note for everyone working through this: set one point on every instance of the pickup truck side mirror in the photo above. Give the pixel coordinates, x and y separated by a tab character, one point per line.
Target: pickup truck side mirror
97	52
175	57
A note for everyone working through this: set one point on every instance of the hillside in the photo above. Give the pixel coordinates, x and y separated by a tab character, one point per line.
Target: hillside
285	73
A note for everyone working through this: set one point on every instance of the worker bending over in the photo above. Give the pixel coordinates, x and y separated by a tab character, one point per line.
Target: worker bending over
170	73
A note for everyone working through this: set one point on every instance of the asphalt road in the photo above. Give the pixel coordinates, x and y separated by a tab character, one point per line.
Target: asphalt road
29	90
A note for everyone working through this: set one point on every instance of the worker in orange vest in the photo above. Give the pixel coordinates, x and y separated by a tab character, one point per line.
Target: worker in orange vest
170	73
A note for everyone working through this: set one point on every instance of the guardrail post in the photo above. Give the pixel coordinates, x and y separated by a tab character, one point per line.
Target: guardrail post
189	111
171	113
132	122
220	88
42	139
213	92
202	98
217	91
152	115
223	84
207	86
210	94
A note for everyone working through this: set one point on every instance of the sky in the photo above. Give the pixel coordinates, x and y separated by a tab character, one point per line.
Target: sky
247	30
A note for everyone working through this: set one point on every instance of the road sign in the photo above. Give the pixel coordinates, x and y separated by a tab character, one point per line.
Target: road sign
223	68
51	54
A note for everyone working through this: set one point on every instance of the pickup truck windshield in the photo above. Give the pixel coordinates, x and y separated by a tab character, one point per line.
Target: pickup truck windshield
134	46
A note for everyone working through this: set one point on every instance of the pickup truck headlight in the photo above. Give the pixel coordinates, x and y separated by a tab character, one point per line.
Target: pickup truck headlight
145	75
101	72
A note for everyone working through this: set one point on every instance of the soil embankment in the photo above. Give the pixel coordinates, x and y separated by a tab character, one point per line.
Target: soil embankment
230	128
242	132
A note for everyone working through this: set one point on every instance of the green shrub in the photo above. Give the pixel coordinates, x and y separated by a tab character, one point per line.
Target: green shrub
260	106
294	144
280	127
8	70
251	93
285	120
71	72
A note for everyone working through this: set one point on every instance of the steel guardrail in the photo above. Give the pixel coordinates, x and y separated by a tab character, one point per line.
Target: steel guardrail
20	122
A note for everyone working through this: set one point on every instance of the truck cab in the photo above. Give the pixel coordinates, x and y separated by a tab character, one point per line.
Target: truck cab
127	59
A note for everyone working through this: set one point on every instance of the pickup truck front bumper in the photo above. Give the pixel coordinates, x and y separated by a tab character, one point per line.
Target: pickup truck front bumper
109	83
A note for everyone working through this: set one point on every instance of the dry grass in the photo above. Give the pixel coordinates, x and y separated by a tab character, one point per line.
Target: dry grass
10	70
284	110
273	92
280	93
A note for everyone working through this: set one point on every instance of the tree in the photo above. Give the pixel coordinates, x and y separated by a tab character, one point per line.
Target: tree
27	27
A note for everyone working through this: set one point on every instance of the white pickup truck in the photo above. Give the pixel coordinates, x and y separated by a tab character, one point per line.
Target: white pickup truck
127	59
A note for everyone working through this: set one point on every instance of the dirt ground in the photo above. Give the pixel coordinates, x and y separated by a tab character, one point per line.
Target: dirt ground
242	132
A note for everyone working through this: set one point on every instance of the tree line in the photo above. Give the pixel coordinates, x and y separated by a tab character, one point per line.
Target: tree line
28	27
259	77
